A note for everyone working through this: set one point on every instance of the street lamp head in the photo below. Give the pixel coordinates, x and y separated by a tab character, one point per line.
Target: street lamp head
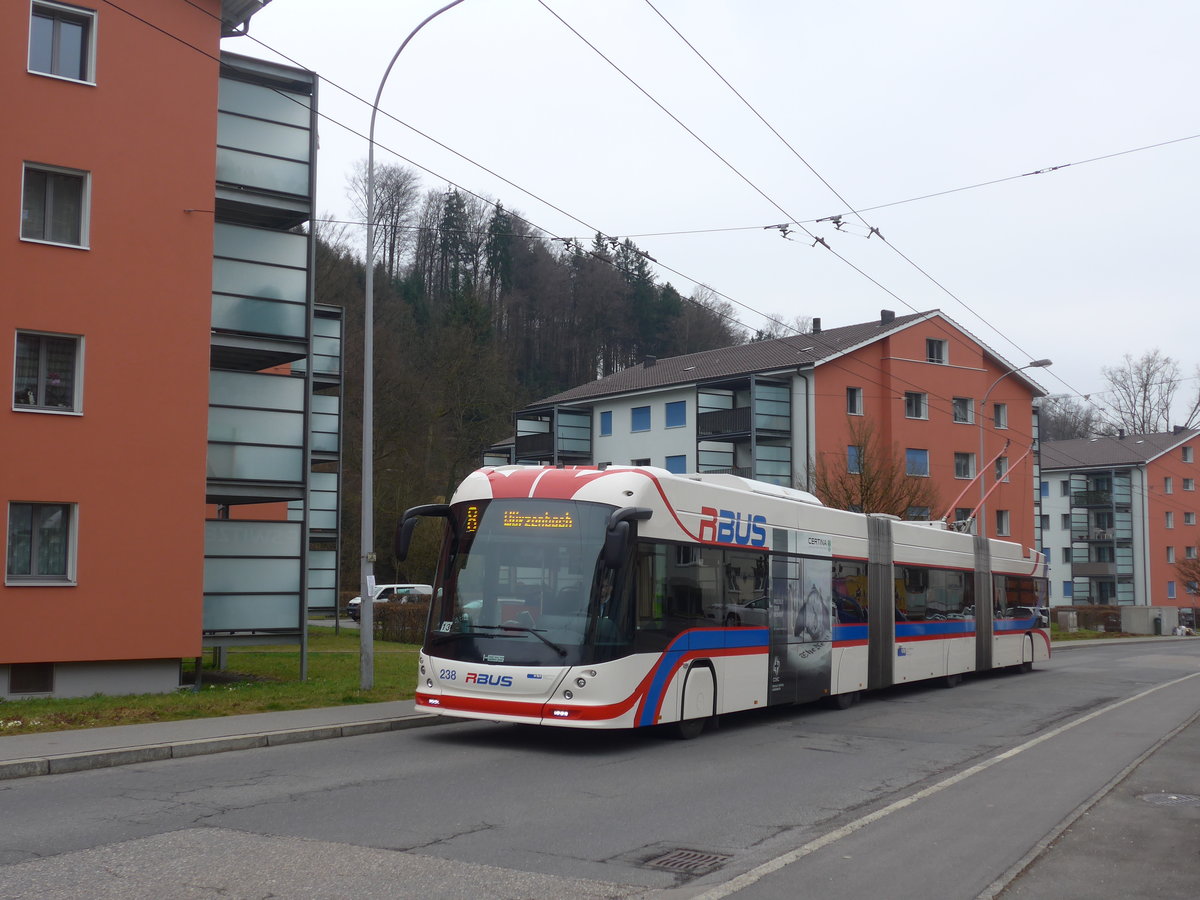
1040	364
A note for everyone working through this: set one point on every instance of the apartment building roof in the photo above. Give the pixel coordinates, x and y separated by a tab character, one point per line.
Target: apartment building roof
1111	450
757	357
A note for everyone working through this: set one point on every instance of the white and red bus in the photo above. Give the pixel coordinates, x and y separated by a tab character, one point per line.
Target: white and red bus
623	597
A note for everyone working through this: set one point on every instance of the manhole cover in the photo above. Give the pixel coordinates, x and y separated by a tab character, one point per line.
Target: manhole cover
691	862
1171	799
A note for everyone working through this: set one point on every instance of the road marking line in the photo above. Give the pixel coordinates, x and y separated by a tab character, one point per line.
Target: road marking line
759	872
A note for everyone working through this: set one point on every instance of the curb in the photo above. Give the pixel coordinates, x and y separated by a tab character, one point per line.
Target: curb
126	756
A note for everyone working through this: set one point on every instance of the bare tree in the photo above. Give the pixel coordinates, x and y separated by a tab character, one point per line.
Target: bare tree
397	196
1062	417
779	325
872	478
1143	392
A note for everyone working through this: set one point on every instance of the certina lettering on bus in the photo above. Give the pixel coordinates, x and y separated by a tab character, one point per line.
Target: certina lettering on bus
723	526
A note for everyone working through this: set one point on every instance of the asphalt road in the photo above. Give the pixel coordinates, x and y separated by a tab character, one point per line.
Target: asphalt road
916	792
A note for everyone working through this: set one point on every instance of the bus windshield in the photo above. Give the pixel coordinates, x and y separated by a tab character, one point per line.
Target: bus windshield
521	583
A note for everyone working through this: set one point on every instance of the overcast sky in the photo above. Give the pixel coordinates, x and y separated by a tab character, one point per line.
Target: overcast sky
884	101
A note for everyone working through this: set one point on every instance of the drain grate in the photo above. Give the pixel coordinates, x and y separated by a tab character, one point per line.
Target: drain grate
1171	799
690	862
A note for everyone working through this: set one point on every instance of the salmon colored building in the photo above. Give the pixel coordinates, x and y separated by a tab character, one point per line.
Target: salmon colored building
931	394
136	188
1121	517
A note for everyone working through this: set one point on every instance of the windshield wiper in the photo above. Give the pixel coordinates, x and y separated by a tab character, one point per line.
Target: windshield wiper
549	643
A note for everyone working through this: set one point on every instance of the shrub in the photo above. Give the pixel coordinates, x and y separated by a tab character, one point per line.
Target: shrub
400	622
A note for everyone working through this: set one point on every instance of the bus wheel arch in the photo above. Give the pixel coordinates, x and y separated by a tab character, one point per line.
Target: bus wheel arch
697	701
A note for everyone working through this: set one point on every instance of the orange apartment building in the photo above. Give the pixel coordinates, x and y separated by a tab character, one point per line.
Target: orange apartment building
152	278
768	410
1119	516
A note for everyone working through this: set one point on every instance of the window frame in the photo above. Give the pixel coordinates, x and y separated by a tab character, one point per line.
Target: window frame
908	462
605	426
853	459
1003	523
937	351
76	407
85	204
918	400
58	13
682	470
675	414
636	413
1000	416
71	533
971	467
963	410
854	401
1187	455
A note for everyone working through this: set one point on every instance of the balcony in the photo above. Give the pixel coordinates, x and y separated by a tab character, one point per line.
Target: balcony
1091	498
256	433
723	422
1094	569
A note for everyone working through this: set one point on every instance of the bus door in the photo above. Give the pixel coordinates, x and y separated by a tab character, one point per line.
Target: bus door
801	629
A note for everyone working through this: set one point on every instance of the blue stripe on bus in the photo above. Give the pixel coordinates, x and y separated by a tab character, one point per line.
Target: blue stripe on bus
688	642
949	628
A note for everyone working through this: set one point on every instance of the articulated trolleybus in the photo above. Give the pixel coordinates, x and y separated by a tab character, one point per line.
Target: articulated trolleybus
625	597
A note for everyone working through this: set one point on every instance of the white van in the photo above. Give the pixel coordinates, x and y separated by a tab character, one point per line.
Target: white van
393	593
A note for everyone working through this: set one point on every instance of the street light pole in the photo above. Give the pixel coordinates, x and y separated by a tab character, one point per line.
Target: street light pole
366	629
981	515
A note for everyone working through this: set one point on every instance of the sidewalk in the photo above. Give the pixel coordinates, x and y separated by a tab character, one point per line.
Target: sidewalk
56	752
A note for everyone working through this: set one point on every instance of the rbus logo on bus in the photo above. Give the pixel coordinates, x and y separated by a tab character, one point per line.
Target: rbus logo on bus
723	526
485	678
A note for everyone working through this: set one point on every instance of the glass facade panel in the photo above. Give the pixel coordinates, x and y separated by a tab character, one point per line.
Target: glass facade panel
232	276
248	463
230	537
270	138
255	426
243	612
256	390
280	248
263	102
251	316
266	173
251	575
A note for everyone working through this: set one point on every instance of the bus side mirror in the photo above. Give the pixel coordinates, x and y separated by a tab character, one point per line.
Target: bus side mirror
619	533
409	521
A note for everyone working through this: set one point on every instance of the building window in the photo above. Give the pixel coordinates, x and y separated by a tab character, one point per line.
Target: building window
916	405
676	414
917	514
1168	485
640	462
54	206
1002	526
639	418
1068	589
40	546
854	401
1002	468
964	410
1045	522
1064	488
964	465
935	351
1189	553
1170	590
1170	554
46	373
1064	521
1189	484
854	459
62	41
916	462
1000	415
31	678
1187	454
962	513
606	423
676	464
1169	519
1189	518
1066	555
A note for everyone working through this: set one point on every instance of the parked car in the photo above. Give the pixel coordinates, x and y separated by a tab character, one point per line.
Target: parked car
392	593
